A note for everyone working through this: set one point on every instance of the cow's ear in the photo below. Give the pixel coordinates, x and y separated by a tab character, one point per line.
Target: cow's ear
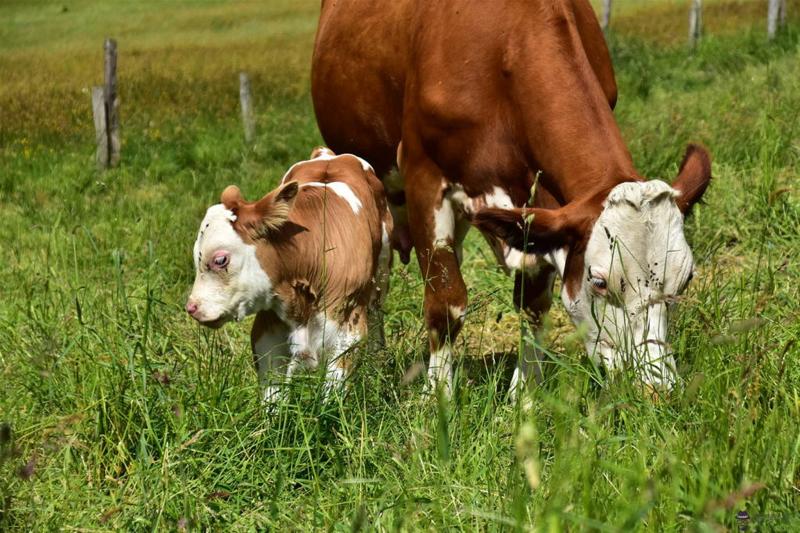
531	229
693	178
273	210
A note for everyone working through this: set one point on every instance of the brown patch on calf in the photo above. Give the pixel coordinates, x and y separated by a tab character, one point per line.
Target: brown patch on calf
320	255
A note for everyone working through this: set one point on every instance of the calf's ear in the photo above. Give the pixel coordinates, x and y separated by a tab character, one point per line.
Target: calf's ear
534	230
260	218
693	178
231	198
273	210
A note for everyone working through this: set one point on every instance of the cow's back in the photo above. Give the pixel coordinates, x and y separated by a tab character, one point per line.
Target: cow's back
371	61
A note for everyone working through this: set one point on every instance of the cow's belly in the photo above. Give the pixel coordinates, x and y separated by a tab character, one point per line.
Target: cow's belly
357	79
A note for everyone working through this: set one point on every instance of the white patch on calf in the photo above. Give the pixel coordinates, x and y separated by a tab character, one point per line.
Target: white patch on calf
342	190
322	341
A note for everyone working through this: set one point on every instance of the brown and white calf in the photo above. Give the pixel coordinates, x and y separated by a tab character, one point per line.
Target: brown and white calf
479	101
311	259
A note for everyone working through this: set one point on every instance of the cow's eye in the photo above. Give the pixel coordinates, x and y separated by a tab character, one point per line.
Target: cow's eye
598	281
599	284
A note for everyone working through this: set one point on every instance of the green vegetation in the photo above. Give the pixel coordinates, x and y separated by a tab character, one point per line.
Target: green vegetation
123	414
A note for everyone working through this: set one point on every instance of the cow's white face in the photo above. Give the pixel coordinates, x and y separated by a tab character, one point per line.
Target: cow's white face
229	281
636	262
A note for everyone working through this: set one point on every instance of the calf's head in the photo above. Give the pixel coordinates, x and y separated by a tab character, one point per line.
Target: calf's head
624	261
230	281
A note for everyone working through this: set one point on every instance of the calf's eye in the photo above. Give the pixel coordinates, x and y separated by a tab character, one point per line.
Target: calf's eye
219	261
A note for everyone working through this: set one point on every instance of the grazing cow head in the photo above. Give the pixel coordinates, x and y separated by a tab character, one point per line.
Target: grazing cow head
624	261
230	282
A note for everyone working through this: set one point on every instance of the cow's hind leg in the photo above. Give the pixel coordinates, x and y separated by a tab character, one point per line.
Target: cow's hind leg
533	295
376	339
433	233
269	339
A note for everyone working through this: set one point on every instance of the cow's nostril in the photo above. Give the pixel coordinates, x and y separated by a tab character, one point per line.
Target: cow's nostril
191	308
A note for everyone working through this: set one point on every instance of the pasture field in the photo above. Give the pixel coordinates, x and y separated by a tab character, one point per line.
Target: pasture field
118	412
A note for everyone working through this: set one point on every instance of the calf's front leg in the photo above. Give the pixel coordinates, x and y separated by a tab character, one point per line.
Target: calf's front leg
269	340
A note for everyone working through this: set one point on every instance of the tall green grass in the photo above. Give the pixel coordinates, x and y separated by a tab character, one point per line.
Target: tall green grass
120	413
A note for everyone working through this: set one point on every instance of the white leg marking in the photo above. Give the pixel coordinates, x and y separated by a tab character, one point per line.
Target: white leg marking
440	370
443	225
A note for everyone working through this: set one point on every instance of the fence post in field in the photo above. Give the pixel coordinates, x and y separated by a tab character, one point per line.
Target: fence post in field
695	22
247	107
776	17
112	102
100	133
605	21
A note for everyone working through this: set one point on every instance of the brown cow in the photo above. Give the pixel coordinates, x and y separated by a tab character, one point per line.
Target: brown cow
478	99
311	258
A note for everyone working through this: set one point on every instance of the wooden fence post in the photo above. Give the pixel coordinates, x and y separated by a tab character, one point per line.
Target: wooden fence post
100	121
776	17
105	109
247	107
695	22
605	21
112	102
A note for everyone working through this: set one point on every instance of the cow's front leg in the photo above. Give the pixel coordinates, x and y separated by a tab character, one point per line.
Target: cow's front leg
433	231
533	295
269	340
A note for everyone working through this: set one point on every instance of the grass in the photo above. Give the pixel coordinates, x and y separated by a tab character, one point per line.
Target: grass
119	413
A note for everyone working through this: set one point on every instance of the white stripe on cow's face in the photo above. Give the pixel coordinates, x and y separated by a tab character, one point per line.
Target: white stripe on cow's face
235	291
342	190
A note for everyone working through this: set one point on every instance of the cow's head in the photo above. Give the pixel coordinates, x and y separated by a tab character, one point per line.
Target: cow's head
624	261
230	282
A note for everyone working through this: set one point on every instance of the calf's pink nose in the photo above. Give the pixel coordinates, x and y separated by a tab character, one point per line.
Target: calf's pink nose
191	308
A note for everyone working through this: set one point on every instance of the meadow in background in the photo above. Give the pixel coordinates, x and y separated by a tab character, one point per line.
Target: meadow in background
118	411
